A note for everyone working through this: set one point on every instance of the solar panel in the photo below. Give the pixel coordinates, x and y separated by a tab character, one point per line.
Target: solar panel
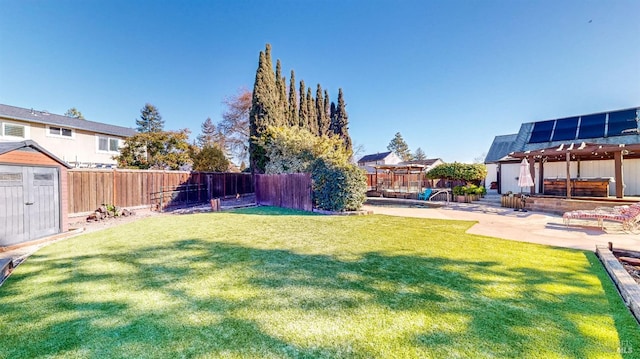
541	131
592	126
565	129
620	121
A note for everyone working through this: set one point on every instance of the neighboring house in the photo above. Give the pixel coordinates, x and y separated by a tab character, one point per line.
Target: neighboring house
385	158
562	137
80	143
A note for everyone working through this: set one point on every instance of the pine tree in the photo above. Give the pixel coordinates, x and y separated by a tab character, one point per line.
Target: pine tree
321	114
281	86
342	122
400	147
210	134
150	120
293	102
264	109
419	155
312	120
303	111
73	112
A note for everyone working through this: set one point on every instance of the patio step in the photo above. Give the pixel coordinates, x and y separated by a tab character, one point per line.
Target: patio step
489	199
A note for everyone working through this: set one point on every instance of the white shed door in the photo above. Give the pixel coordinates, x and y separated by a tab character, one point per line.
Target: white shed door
29	203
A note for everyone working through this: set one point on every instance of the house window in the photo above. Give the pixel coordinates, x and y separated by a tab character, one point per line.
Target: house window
60	132
107	144
13	130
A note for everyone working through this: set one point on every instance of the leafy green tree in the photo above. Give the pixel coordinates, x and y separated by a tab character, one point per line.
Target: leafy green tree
293	149
473	173
167	150
265	109
209	159
419	155
150	119
73	112
292	113
399	147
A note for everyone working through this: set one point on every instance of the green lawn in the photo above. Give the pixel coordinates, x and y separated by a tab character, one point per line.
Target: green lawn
272	283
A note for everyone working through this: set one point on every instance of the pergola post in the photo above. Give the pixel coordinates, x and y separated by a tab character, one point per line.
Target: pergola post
617	157
532	171
568	175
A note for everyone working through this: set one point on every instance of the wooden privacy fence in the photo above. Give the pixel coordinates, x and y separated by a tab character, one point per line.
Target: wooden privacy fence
285	190
90	188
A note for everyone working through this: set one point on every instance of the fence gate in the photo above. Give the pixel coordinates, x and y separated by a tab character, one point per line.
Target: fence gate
29	203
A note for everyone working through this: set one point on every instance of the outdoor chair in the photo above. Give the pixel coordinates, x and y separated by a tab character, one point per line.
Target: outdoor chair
629	216
425	195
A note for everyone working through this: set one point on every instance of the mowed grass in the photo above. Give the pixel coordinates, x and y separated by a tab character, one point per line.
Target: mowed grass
273	283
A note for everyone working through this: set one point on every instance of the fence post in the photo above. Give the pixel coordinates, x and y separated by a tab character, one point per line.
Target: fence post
113	202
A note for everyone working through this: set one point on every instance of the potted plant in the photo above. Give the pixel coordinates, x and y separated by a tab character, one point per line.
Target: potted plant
459	194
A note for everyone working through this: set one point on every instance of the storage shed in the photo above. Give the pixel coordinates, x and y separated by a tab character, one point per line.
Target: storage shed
33	193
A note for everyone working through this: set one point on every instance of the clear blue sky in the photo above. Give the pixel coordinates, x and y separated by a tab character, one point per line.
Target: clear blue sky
447	75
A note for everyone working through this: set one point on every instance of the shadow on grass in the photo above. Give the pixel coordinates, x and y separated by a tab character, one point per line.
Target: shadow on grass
157	306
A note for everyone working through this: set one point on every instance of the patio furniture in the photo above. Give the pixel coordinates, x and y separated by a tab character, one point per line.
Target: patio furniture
629	216
425	195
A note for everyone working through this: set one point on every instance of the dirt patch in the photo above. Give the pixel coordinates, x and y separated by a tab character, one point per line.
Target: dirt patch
630	260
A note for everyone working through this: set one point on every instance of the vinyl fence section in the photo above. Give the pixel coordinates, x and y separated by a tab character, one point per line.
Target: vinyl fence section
90	188
285	190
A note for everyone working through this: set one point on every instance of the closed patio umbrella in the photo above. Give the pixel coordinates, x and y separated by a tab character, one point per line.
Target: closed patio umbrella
524	180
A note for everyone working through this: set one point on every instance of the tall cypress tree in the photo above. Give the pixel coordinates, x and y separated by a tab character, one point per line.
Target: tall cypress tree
327	118
321	115
303	111
312	117
281	86
264	109
333	127
342	122
292	113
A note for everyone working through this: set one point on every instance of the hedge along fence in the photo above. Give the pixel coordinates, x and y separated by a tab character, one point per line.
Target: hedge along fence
90	188
292	190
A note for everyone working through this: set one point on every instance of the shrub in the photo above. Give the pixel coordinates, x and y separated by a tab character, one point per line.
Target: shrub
338	186
459	171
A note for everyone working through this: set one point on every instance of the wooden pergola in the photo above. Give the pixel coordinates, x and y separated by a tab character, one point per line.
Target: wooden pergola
581	152
406	172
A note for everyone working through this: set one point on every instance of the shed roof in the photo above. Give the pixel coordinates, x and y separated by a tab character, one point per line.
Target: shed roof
501	146
374	157
44	117
6	147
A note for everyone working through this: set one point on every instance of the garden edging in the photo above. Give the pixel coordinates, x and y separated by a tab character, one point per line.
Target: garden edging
627	287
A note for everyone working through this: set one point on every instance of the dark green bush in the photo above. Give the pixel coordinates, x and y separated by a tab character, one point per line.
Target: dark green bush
338	187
